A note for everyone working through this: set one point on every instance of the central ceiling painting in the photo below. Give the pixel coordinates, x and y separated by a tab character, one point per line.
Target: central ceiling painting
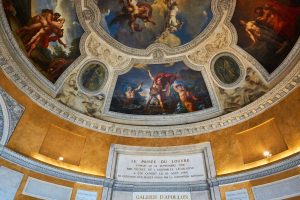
138	24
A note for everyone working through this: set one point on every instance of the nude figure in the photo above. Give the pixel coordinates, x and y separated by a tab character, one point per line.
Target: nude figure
188	100
130	95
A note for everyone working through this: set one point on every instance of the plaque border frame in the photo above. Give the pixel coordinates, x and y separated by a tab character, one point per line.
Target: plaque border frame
116	149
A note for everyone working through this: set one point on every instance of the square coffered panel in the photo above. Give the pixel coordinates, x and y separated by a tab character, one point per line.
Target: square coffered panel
61	143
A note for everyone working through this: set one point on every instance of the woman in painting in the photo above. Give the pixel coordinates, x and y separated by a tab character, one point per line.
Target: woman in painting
44	35
160	88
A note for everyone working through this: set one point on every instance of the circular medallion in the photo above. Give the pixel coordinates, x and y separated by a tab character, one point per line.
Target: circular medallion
226	70
93	77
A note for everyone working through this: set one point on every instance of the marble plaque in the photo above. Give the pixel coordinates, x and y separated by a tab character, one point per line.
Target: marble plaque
86	195
161	196
9	183
47	191
160	168
237	195
282	189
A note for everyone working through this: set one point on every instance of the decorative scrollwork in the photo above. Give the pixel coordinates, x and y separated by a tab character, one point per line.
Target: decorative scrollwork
104	53
219	41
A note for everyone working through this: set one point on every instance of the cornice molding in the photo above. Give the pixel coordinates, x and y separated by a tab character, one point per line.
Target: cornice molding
11	112
278	93
25	162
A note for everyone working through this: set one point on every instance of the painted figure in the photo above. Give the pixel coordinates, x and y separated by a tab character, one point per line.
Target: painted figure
47	28
166	89
160	88
130	95
132	11
140	23
45	36
173	24
45	19
226	69
270	28
188	100
50	41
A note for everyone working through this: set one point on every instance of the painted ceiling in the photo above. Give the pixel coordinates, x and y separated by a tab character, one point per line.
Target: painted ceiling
148	67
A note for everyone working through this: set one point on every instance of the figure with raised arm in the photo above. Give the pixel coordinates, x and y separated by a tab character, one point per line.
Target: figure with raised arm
160	88
130	95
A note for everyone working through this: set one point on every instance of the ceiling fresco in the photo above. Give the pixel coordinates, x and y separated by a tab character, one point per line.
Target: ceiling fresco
267	29
138	24
151	62
48	32
171	88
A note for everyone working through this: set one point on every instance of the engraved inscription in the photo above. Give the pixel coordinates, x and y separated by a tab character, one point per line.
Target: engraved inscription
160	168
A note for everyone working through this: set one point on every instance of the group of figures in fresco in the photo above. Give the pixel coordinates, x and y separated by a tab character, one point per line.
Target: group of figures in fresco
49	32
160	89
138	24
134	10
49	39
267	29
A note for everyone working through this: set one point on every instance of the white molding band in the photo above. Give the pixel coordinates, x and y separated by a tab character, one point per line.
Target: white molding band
5	122
277	190
11	114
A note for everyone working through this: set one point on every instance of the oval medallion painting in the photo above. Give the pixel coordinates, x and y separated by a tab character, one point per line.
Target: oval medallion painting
140	23
93	77
227	70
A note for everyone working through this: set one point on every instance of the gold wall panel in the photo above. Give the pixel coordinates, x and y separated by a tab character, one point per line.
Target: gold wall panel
264	137
59	142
